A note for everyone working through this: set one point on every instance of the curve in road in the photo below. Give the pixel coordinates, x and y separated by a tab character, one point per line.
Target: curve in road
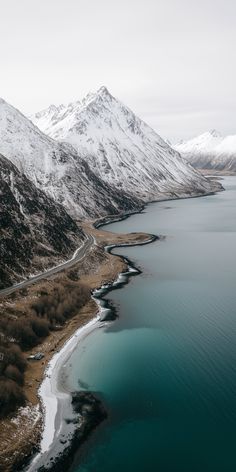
77	256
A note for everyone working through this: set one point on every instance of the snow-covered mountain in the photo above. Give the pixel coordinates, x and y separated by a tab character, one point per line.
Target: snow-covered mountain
57	169
121	149
210	150
35	231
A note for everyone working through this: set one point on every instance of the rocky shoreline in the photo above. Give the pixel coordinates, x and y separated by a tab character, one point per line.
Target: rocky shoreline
89	413
87	406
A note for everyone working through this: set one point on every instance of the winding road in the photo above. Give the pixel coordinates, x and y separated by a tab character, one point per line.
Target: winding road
77	256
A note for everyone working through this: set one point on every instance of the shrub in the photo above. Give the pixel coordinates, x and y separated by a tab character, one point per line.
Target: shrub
12	368
13	373
15	357
73	275
40	327
62	304
11	396
23	333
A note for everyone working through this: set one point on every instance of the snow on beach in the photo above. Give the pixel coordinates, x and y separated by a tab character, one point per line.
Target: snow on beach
50	392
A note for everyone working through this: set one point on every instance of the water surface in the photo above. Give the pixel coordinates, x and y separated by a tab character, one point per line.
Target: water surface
166	368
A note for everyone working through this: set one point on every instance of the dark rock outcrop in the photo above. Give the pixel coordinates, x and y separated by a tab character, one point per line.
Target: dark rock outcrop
91	413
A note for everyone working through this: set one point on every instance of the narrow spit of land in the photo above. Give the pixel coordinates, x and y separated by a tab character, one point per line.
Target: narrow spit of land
93	267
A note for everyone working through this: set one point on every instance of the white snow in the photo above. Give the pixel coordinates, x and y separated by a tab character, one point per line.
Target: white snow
16	194
30	412
119	147
50	392
54	167
210	150
205	142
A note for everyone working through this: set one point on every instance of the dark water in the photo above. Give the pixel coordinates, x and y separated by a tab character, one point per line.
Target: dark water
166	369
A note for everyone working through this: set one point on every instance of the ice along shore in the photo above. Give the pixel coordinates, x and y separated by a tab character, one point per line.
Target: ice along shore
70	417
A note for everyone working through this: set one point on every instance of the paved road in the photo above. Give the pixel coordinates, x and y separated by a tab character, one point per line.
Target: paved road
78	255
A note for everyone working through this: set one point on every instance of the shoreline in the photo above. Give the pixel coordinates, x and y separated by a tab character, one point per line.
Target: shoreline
53	388
21	436
106	220
53	397
109	280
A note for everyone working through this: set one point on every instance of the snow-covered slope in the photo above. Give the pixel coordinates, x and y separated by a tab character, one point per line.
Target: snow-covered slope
210	151
35	232
56	168
121	149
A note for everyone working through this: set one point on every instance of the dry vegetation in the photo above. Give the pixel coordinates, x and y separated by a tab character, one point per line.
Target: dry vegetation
20	332
12	367
42	317
24	326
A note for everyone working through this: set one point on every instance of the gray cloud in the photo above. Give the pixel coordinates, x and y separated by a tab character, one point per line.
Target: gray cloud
172	61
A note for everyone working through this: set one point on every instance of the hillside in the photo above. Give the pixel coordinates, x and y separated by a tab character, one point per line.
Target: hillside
57	169
35	231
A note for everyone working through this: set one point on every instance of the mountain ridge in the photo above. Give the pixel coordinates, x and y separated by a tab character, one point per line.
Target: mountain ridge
57	169
210	150
122	149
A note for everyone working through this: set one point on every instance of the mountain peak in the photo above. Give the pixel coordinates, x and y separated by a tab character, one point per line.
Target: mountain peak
52	109
103	91
102	94
214	133
121	149
211	151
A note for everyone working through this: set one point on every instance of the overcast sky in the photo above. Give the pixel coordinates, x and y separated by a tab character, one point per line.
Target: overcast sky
172	61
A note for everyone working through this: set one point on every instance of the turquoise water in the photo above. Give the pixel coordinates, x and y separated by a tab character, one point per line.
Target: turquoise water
166	368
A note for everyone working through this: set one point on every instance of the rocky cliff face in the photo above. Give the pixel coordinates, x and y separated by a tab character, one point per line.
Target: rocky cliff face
121	149
35	231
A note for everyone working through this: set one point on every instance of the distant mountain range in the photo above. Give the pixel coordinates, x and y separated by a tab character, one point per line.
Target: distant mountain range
210	151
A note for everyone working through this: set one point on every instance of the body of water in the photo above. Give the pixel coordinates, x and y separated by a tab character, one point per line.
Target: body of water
166	368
